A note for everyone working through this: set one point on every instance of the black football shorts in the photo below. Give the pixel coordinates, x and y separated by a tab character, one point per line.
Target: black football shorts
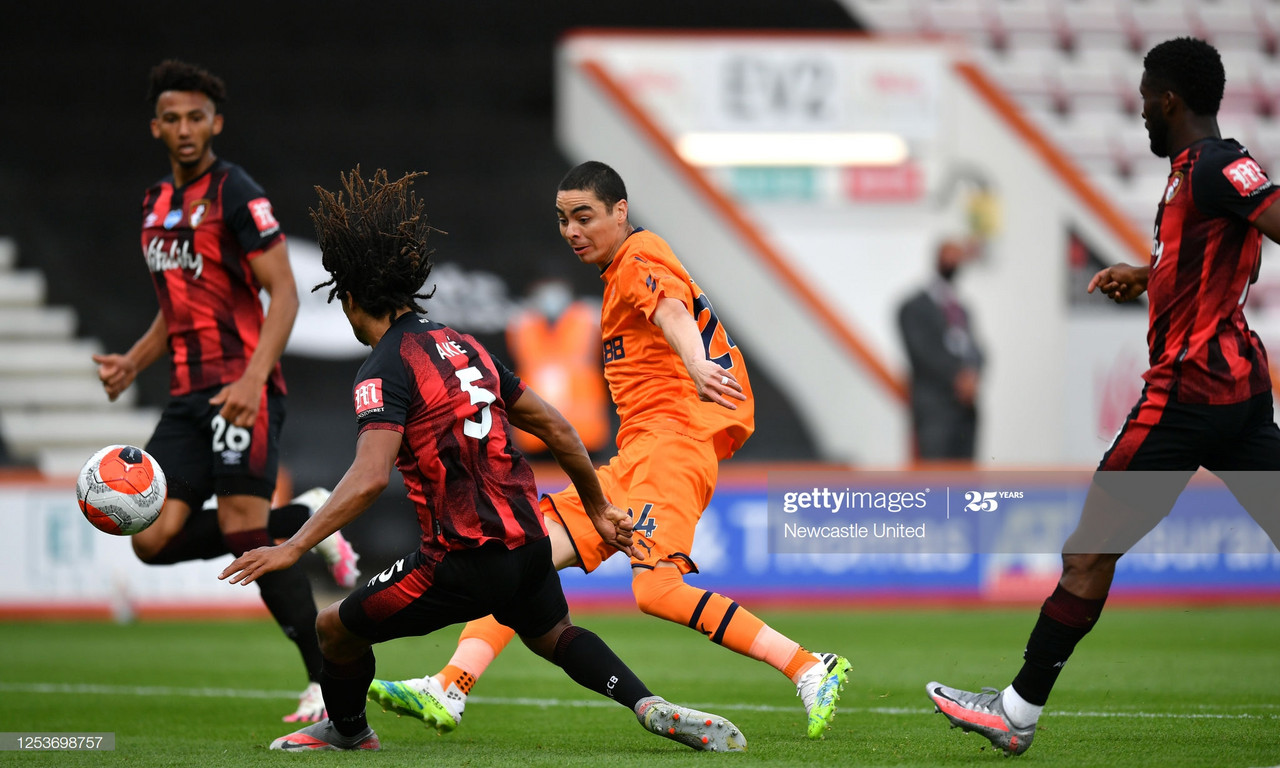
202	454
420	593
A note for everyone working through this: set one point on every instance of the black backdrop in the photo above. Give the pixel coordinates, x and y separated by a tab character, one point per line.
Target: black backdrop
462	90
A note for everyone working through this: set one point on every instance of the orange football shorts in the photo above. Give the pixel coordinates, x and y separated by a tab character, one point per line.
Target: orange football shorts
665	479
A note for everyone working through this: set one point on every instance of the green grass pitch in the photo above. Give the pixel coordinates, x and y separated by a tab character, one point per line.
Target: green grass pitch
1162	687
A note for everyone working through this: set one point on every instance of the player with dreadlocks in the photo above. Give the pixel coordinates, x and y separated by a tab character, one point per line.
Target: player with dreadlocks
433	403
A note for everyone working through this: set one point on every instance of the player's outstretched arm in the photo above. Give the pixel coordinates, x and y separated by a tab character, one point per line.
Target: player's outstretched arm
117	372
540	419
1121	282
363	482
714	384
240	399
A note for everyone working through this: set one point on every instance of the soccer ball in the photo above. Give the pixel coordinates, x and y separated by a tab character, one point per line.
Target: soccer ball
121	489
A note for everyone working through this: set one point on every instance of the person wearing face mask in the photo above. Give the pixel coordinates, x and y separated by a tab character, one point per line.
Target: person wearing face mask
946	362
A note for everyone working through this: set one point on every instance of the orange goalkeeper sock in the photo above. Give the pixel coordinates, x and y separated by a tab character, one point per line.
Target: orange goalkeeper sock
479	644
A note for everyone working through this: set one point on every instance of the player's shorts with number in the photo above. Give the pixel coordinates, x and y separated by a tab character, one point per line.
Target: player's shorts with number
202	454
665	479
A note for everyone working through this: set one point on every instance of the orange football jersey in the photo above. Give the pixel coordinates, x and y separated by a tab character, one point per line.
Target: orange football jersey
648	381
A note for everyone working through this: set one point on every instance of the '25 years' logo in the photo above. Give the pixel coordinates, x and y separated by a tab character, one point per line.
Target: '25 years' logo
987	501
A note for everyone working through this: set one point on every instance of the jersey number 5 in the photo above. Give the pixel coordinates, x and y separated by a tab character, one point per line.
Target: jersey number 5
480	396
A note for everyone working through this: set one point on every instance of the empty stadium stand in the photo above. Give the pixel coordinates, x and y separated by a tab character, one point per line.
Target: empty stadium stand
1074	67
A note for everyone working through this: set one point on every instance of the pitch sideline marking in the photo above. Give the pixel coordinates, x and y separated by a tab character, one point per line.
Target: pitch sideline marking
234	693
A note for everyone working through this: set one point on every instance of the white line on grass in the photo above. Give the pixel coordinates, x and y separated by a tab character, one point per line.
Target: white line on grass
520	701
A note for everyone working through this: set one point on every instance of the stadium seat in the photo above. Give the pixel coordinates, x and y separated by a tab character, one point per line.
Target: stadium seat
1230	25
1157	20
1130	143
1074	66
1088	138
1092	84
1097	25
1031	24
973	20
1263	142
1244	92
1029	74
53	412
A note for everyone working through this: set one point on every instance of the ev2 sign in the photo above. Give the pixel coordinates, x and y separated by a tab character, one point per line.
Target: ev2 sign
776	91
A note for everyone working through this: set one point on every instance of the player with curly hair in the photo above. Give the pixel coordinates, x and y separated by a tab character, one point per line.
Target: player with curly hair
434	404
684	403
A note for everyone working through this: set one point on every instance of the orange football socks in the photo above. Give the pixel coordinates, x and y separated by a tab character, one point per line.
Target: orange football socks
480	643
662	592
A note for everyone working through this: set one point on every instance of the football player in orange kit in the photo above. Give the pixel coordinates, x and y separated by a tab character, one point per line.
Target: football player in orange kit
684	403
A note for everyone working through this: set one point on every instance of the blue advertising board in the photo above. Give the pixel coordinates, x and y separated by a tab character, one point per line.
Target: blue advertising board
1207	546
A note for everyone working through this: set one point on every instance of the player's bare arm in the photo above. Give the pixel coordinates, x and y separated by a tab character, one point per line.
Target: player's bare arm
240	399
363	482
117	372
540	419
715	384
1120	282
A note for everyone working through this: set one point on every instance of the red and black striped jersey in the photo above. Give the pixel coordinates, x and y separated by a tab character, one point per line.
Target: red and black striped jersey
448	398
198	240
1205	256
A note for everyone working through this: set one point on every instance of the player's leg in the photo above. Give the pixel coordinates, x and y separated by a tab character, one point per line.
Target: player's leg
439	700
164	541
181	447
337	552
483	639
1131	493
661	591
666	498
199	536
1249	464
1008	717
287	594
188	528
540	614
1137	483
348	667
245	462
666	491
414	596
